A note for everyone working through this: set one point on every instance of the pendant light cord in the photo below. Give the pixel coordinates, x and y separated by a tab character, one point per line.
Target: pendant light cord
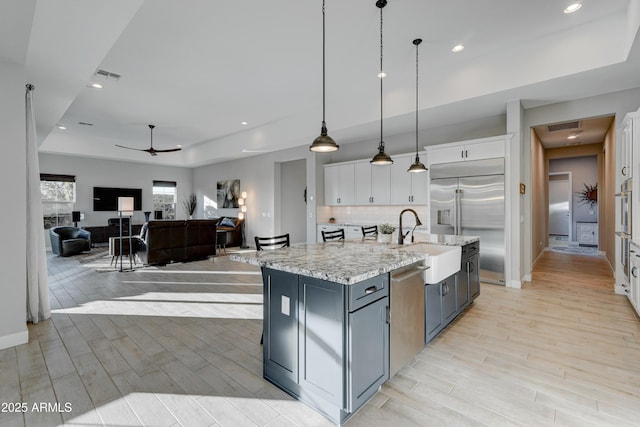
323	69
381	78
417	98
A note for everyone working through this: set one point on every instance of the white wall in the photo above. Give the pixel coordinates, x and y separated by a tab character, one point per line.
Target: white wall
91	173
257	175
292	211
13	328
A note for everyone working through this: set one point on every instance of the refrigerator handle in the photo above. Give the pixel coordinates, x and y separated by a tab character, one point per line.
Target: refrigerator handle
458	207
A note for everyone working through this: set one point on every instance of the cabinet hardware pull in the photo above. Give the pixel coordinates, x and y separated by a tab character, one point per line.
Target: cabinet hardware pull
462	154
466	153
624	170
370	290
387	315
634	271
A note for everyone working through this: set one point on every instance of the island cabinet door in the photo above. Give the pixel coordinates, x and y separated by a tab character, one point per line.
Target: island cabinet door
368	352
281	328
449	298
321	335
433	310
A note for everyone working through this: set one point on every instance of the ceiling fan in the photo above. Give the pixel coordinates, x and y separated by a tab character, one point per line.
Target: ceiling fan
151	150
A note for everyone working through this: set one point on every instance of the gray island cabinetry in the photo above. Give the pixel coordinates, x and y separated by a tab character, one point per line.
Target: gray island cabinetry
327	319
446	299
326	343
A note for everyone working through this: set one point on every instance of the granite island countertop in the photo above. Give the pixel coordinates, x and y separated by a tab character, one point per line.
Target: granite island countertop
345	262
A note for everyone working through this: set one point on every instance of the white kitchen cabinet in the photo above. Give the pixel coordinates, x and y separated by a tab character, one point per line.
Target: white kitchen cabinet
339	184
408	188
486	148
372	184
587	233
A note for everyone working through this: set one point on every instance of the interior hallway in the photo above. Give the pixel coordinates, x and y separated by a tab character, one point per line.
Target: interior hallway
179	345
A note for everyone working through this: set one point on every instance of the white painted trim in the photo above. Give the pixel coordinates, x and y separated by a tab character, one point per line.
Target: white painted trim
14	339
517	284
526	278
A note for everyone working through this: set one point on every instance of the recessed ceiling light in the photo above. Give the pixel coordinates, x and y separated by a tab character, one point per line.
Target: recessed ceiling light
382	75
572	136
96	85
244	123
179	145
457	48
573	7
61	127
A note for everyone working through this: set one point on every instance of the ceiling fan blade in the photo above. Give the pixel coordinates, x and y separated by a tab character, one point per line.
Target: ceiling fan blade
129	148
169	150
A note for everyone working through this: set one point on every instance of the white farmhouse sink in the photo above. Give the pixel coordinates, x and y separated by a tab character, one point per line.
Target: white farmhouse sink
443	261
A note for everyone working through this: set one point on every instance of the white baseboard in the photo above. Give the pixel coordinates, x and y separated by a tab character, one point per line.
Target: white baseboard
14	339
526	278
515	284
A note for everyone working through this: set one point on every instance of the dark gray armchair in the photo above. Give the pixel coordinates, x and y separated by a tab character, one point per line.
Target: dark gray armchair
67	241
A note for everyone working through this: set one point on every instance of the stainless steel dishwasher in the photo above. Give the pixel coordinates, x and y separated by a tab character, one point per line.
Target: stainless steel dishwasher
407	315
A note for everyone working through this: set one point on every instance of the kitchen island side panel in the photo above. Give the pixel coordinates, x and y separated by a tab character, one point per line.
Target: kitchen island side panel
281	327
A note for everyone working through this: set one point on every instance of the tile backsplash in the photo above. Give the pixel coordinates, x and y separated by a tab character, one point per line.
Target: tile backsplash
370	214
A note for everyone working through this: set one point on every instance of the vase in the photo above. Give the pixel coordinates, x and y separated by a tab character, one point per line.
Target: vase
384	238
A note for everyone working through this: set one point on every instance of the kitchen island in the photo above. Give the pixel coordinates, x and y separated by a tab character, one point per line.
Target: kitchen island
327	314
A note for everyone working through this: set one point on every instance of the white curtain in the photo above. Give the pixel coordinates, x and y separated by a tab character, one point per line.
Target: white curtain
38	307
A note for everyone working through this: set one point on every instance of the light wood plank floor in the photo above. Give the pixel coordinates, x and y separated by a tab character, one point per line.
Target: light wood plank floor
179	346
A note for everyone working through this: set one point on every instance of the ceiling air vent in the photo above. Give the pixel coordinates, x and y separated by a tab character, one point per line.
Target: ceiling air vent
564	126
108	74
85	124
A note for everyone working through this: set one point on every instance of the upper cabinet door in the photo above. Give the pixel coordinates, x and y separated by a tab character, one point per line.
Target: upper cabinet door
362	185
446	154
347	184
484	150
331	185
460	152
372	184
380	185
400	180
338	184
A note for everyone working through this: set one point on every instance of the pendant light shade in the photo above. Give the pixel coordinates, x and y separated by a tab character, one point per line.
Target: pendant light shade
324	143
417	166
381	158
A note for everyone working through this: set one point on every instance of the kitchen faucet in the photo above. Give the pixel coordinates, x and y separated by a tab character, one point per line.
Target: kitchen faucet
400	235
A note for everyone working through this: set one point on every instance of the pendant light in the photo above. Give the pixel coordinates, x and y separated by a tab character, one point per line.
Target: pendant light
324	143
381	158
417	166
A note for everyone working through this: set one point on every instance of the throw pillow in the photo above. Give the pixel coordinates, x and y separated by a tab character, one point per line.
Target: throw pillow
227	222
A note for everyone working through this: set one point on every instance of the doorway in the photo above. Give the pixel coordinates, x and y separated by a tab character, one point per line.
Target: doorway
560	207
293	206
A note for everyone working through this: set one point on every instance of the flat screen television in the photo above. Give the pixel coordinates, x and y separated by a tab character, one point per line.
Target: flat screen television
106	198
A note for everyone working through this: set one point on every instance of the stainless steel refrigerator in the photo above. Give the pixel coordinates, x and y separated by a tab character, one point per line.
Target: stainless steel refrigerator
467	198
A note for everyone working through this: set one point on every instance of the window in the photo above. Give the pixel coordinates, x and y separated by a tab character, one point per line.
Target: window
58	195
164	198
210	208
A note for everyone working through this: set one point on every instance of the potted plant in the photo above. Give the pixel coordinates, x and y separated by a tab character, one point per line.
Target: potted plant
384	233
190	204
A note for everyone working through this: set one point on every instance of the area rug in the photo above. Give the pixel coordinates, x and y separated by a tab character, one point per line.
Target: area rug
579	250
99	260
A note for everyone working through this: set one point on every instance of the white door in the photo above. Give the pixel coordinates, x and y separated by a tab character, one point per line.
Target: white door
559	207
